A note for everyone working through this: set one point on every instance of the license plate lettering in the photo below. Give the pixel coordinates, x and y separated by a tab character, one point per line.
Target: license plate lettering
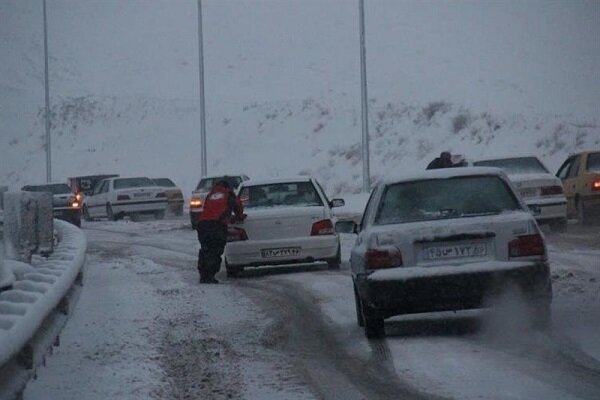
280	252
456	251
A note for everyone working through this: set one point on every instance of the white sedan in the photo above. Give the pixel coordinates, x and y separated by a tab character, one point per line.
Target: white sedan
115	198
543	192
288	221
445	240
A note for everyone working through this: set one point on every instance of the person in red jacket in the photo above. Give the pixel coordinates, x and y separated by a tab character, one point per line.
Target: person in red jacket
219	205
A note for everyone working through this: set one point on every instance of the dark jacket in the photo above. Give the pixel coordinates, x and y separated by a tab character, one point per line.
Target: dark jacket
439	162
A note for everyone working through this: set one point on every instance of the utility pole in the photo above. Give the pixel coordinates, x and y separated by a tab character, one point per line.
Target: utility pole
203	167
47	90
364	98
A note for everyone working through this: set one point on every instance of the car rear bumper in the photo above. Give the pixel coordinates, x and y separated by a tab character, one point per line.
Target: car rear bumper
139	206
67	213
309	249
445	291
548	210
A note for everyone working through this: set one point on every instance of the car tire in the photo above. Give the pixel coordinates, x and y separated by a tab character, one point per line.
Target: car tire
559	225
110	215
159	214
373	323
542	316
582	217
359	316
86	214
336	262
233	272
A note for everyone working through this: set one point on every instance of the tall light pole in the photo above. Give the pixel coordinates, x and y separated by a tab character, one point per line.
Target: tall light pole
364	98
47	90
203	167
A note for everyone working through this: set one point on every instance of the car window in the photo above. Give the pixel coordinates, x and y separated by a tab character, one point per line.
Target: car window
564	169
593	162
322	191
301	194
574	169
127	183
98	187
434	199
368	209
58	188
519	165
104	188
164	182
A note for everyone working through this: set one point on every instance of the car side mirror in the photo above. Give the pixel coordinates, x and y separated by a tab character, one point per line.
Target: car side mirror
337	203
346	226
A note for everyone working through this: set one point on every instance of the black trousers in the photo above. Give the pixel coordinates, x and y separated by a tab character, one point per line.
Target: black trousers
212	236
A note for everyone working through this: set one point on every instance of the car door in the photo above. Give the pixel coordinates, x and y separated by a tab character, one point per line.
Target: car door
96	201
568	173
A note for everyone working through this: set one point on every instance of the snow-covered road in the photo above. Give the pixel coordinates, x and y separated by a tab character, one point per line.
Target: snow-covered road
144	328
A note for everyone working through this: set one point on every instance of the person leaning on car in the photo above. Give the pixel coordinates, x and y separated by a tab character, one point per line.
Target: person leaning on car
219	204
443	161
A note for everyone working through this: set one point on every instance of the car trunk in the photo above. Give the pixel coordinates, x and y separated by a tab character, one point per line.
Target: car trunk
138	193
281	222
529	185
61	200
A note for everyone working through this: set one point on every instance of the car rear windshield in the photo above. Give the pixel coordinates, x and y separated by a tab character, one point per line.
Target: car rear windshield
126	183
58	188
293	194
593	162
206	184
434	199
164	182
521	165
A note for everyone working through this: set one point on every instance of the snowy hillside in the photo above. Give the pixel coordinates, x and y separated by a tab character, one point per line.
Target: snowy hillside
478	78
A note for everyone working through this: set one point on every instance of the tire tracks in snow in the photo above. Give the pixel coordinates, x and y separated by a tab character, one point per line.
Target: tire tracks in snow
299	329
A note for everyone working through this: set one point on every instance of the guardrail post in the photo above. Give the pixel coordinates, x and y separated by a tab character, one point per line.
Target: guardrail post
28	225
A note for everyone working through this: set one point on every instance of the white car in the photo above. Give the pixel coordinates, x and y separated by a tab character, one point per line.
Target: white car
115	198
543	192
445	240
288	221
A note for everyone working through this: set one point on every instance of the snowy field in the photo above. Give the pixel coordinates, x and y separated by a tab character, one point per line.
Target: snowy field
144	328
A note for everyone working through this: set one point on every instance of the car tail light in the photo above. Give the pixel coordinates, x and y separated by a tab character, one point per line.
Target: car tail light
322	227
123	197
74	202
161	194
528	245
235	234
550	190
596	186
194	203
79	197
383	258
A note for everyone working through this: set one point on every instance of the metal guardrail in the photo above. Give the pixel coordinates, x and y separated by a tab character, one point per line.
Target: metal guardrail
34	310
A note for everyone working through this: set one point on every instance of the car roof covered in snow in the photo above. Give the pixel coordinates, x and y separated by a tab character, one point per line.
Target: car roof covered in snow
444	173
270	181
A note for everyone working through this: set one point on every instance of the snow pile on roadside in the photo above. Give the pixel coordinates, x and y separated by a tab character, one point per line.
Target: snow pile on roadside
38	289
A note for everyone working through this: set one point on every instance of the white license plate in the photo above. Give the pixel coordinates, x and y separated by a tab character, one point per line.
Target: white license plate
281	252
528	193
454	251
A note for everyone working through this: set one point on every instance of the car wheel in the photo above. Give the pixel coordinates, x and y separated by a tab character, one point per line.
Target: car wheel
582	216
559	225
110	214
233	272
359	316
373	323
159	214
542	316
86	214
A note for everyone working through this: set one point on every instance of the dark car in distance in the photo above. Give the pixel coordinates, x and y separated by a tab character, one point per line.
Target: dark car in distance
65	204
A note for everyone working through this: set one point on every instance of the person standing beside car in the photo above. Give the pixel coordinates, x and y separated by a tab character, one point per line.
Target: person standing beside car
443	161
219	205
